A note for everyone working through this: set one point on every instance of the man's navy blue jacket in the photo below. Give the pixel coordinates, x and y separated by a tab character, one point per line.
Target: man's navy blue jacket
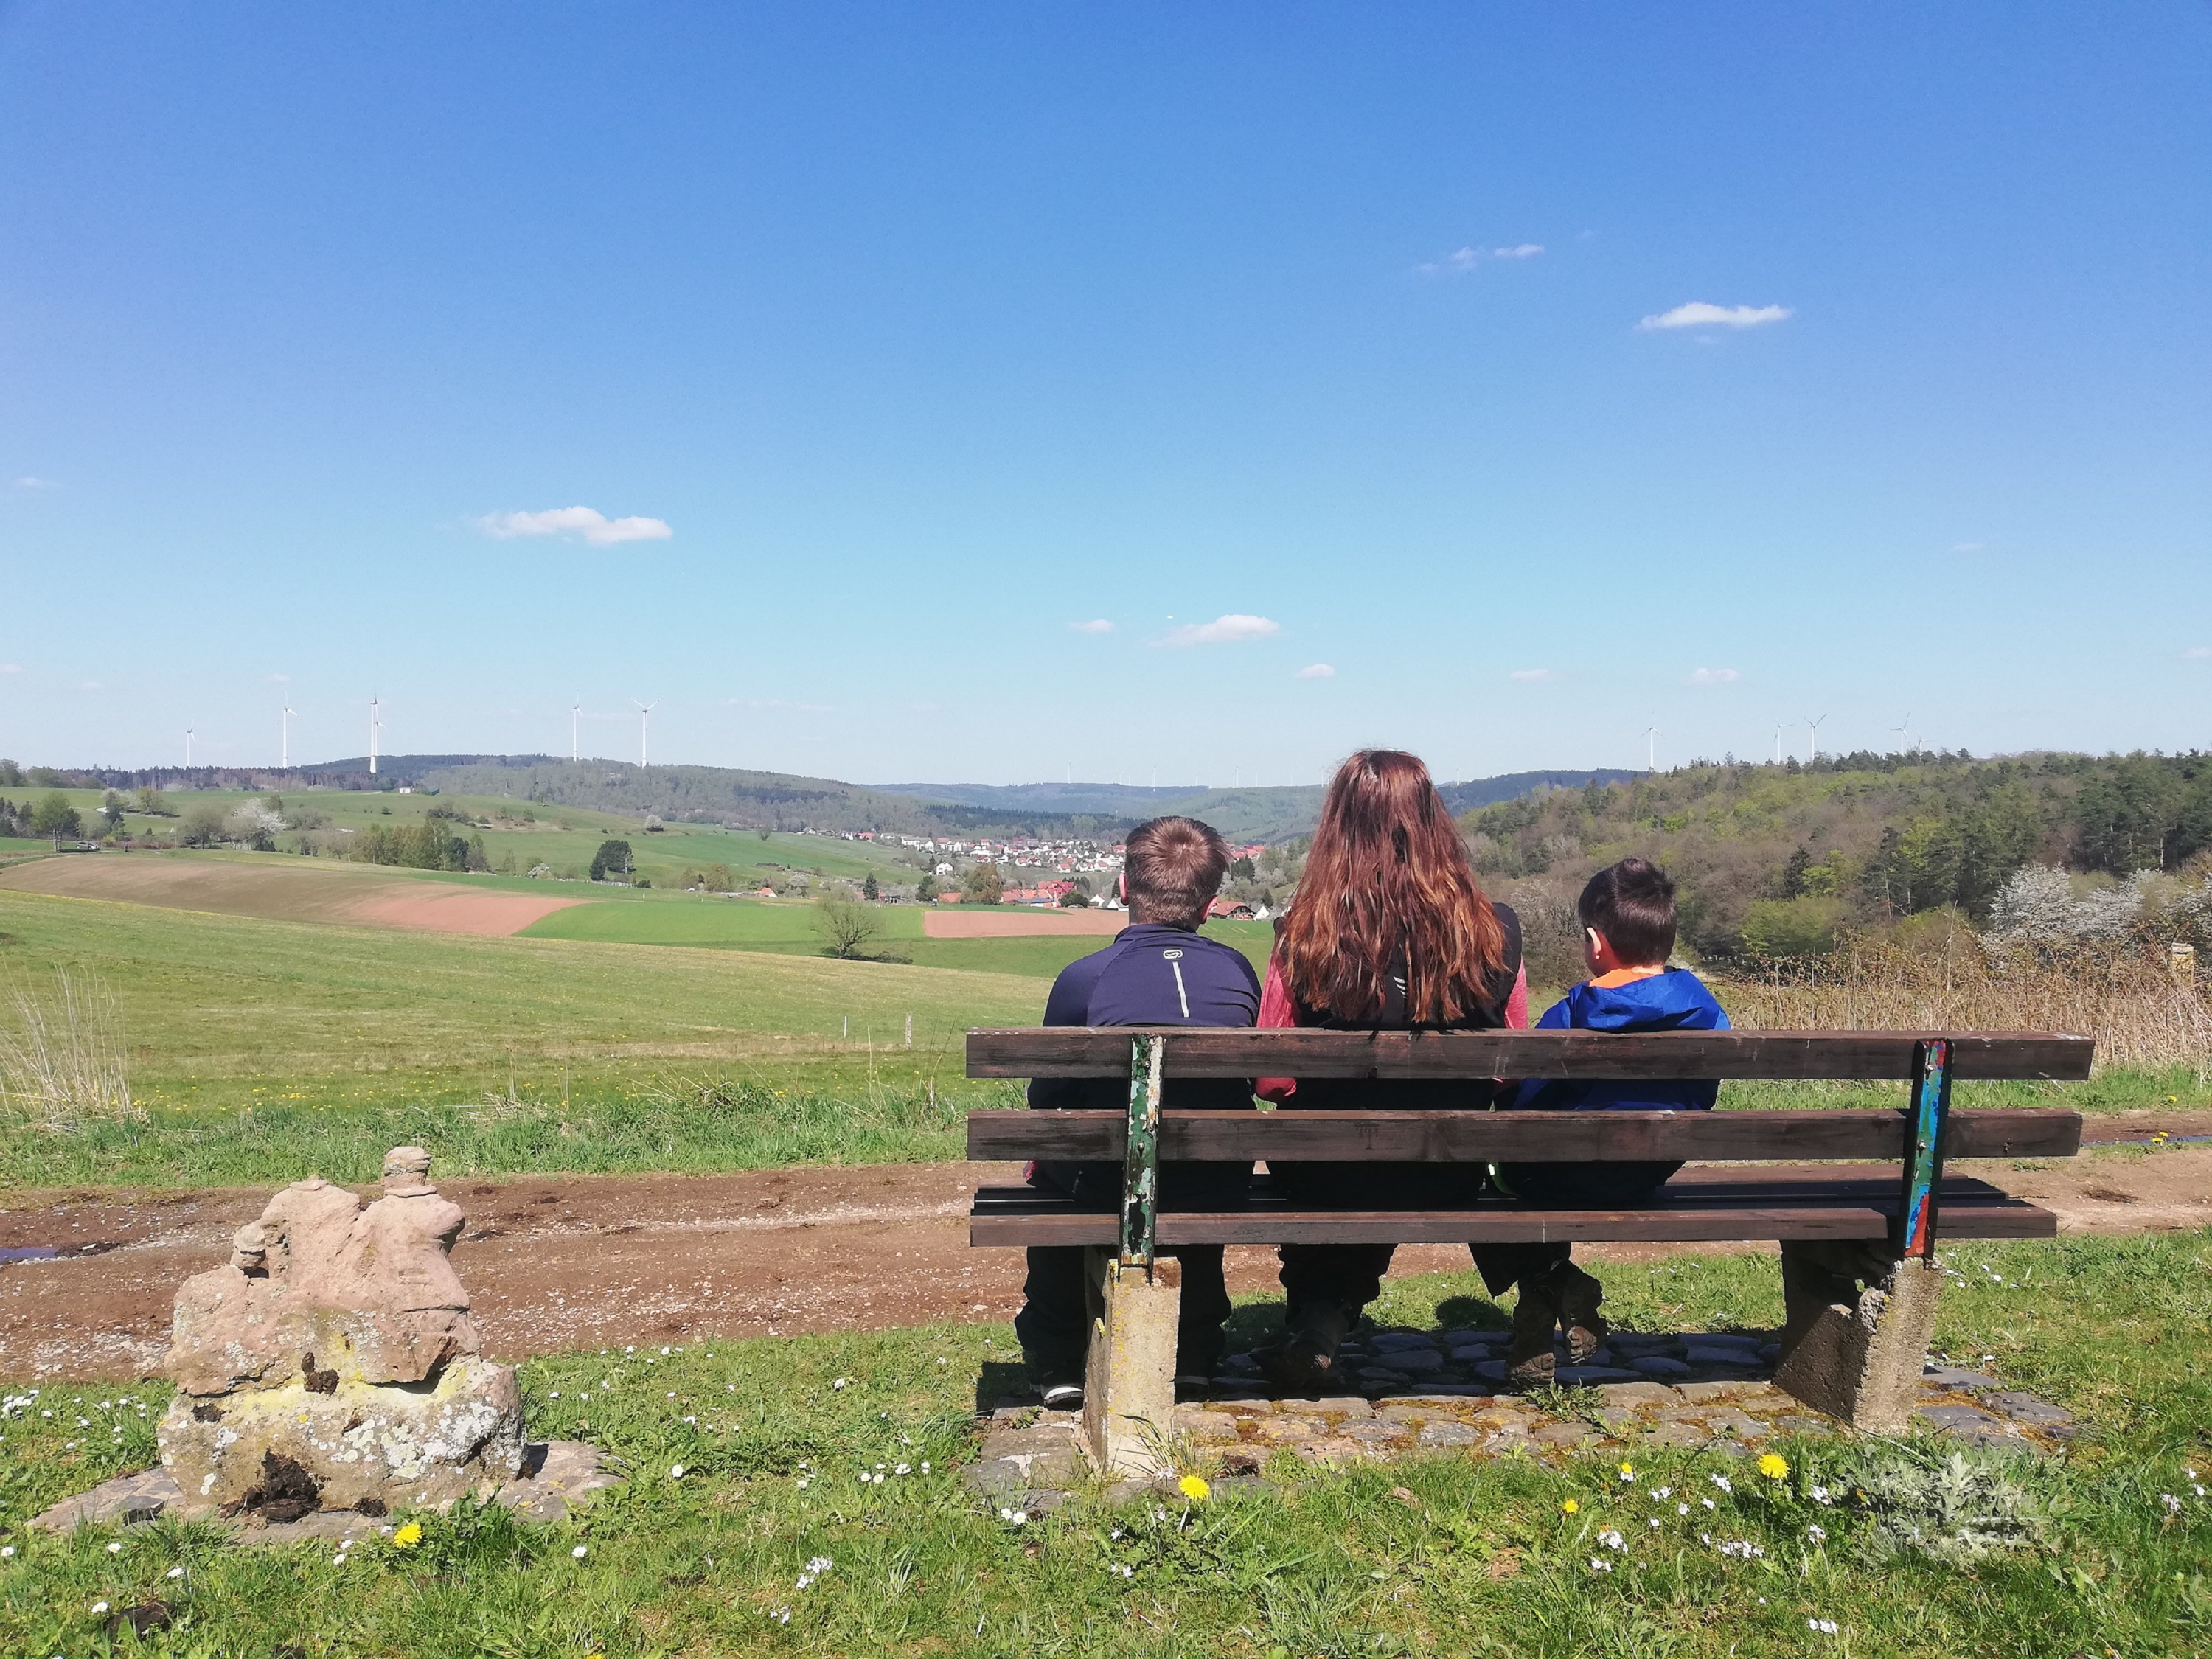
1150	975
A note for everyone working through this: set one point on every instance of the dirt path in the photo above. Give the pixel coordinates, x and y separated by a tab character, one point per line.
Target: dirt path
591	1260
299	890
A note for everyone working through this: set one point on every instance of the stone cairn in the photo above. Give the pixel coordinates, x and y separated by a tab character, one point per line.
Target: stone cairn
334	1363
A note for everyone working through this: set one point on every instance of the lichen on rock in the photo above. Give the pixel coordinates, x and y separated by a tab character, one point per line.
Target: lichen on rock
339	1338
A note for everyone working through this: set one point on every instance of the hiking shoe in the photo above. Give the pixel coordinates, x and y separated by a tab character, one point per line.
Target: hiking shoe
1059	1394
1530	1361
1304	1362
1579	1295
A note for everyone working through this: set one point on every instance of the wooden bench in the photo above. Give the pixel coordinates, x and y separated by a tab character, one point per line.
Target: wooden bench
1859	1279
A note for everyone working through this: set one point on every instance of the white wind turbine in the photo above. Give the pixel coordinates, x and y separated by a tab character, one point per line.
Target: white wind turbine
1904	730
376	729
1652	748
575	719
1815	724
188	749
644	728
284	741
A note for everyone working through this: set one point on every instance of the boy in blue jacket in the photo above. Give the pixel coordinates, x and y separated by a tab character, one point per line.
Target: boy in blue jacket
1627	913
1160	970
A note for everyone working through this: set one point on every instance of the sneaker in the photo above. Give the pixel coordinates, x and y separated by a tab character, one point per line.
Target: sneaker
1061	1395
1579	1295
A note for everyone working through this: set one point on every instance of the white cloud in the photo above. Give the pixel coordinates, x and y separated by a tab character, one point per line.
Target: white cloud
10	668
775	702
1534	676
92	685
1317	670
1462	260
595	527
1966	547
28	483
1698	314
2195	654
1715	677
1096	625
1222	630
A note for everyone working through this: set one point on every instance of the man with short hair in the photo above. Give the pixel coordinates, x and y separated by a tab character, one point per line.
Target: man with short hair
1160	970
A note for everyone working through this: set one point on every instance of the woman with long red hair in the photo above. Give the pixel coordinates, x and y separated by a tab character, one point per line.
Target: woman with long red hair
1390	931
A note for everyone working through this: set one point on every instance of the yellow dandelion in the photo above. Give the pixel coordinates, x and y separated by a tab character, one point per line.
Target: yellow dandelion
1571	1508
408	1535
1774	1466
1193	1487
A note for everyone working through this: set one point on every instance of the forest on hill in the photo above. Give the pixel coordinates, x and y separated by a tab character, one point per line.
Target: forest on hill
1781	862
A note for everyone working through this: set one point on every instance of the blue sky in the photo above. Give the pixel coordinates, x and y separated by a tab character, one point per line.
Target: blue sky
926	332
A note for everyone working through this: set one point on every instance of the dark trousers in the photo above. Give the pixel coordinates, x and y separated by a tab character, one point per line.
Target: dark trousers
1053	1325
1350	1275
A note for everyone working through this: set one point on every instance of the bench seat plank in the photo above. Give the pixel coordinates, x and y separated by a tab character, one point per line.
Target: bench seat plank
1707	1205
1510	1137
1230	1052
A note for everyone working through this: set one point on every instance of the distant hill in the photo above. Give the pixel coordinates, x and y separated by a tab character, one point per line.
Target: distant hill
783	800
1255	814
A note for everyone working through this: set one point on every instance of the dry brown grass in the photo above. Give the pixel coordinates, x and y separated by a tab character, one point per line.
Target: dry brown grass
62	1055
2120	994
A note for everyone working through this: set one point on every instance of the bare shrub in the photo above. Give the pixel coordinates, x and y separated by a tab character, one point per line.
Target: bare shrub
1551	932
2128	996
63	1056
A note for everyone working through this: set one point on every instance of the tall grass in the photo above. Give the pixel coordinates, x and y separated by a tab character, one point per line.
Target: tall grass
2140	1011
62	1055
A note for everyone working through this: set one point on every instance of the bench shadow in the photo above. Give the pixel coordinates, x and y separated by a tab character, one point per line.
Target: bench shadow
1000	1380
1471	1312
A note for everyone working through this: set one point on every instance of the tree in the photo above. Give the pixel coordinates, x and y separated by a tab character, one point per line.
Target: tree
1077	896
203	827
869	890
1793	873
926	890
11	774
56	819
1242	870
612	855
844	926
982	884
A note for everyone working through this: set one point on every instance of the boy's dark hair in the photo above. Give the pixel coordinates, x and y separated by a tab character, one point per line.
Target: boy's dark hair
1633	904
1173	867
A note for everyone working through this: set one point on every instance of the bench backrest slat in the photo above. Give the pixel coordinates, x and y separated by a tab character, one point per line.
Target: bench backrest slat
1504	1137
1233	1052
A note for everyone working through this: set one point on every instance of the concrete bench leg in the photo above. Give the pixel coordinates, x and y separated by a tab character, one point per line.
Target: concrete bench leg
1128	1384
1856	1354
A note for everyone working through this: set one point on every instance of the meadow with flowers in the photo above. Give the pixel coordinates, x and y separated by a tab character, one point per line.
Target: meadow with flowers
803	1496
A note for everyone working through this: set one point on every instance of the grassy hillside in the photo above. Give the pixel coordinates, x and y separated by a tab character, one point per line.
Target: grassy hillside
221	1005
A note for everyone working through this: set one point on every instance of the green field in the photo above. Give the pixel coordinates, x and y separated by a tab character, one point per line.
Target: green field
1440	1554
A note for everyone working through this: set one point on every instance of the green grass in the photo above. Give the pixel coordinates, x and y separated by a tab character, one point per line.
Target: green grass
1436	1555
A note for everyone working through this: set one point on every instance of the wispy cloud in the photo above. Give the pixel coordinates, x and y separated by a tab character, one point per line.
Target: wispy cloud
1222	630
592	525
1459	262
775	702
1534	676
29	483
92	685
278	679
10	668
1714	677
1316	670
1096	625
1966	547
1698	314
2195	654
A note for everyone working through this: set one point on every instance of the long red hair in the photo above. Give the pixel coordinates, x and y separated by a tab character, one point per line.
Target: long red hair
1388	886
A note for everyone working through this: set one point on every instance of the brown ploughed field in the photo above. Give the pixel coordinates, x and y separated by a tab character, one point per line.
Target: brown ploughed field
301	891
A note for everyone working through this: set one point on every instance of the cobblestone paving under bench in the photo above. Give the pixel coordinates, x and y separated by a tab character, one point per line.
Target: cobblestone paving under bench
1428	1394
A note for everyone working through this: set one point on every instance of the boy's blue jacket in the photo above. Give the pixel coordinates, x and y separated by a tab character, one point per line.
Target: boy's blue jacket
1676	1000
